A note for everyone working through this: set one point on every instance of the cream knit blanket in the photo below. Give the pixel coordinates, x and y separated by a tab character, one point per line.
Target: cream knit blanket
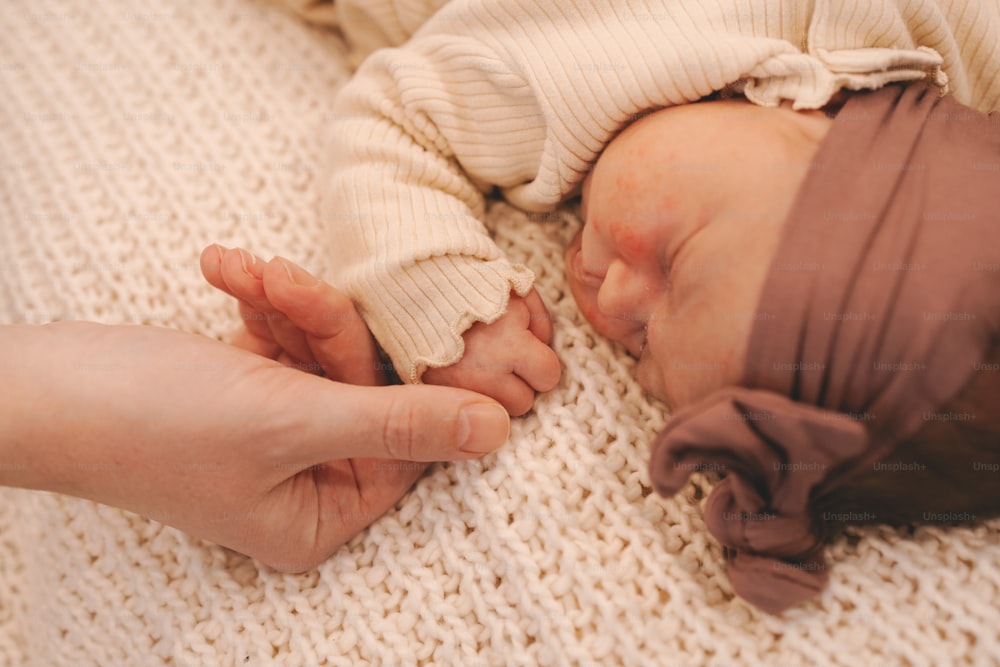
133	133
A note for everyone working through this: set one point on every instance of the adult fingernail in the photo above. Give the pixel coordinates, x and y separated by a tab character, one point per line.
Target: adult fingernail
483	427
218	250
249	263
297	275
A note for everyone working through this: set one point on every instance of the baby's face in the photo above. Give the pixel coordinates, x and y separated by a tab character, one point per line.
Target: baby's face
683	213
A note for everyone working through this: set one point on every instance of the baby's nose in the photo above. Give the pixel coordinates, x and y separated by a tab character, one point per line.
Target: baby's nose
625	294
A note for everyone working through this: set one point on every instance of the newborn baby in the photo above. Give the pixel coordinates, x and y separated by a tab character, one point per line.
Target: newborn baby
813	299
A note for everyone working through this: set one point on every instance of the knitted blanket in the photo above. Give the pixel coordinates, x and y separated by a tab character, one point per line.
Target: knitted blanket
133	133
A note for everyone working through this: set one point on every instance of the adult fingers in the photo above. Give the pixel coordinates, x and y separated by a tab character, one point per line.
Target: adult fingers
321	508
334	331
233	272
211	266
244	274
410	423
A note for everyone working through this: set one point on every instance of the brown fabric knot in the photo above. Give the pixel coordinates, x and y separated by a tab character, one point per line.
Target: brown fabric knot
776	454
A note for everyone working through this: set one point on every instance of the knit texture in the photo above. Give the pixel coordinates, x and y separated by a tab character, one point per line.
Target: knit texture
524	94
132	134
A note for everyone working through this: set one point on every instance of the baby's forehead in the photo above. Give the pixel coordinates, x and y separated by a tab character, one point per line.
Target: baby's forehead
681	155
703	136
645	182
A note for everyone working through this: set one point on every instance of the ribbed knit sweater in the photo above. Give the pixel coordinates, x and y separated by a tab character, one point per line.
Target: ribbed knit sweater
522	95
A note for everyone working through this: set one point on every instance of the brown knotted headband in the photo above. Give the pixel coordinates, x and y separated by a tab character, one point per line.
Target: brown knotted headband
880	305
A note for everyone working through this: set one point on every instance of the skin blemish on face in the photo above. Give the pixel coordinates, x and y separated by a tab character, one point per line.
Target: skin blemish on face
627	239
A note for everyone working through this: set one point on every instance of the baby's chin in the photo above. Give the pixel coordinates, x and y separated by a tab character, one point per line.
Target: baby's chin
651	379
673	390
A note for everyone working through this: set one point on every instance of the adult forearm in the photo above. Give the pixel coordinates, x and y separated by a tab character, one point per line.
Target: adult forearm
35	370
91	408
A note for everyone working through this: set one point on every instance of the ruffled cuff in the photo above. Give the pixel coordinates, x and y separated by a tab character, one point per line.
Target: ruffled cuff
418	313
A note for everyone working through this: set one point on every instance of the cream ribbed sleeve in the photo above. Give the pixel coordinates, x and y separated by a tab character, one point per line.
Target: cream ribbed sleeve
523	95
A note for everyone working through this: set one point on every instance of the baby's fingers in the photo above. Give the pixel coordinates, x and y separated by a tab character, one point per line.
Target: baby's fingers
537	364
236	272
539	320
490	378
510	391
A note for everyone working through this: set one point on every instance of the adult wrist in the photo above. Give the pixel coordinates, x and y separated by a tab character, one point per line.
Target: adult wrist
31	358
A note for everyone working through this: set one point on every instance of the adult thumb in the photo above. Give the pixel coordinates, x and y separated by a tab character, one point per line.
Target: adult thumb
410	423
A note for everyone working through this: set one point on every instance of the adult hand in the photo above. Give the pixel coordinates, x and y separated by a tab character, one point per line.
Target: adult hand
226	445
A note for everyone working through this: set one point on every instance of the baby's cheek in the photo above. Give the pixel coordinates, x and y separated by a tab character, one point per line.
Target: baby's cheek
630	241
692	350
718	339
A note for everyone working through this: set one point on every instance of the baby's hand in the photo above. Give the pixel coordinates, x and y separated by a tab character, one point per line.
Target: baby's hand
508	360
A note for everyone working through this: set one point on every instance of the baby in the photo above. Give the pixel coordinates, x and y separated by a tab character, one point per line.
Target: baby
686	207
521	98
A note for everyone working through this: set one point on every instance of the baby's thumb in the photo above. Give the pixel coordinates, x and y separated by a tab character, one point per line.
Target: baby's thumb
409	423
